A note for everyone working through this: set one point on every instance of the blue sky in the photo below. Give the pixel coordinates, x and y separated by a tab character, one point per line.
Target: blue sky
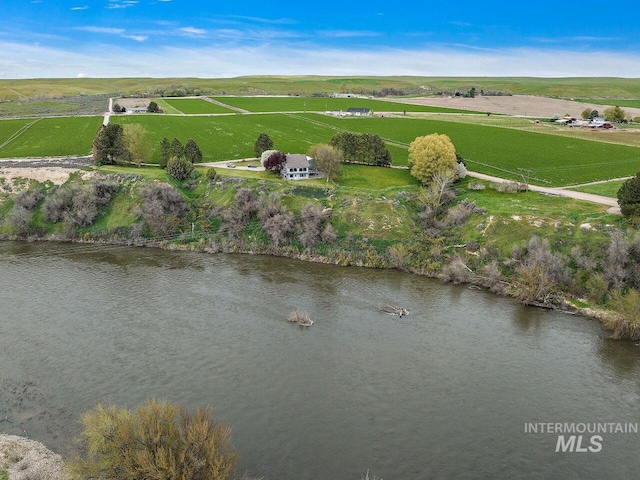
179	38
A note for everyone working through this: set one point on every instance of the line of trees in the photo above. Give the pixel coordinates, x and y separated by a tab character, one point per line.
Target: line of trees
366	148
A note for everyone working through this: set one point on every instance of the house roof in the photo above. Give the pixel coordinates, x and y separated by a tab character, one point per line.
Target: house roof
358	110
297	160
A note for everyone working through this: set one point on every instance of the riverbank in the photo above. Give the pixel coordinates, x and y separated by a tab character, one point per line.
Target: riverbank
24	459
542	250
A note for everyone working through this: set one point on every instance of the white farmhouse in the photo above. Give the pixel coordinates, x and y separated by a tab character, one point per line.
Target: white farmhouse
299	167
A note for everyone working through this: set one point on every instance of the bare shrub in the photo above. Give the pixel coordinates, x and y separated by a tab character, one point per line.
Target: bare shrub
456	271
539	273
278	227
533	285
617	258
28	199
312	216
238	216
328	235
581	260
58	204
476	186
85	208
19	220
492	279
509	187
459	215
162	209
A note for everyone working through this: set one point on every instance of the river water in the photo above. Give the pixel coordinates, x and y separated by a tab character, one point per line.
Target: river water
445	392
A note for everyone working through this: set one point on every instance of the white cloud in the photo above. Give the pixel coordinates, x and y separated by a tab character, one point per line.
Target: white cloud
137	38
192	31
31	61
347	33
107	30
75	9
116	4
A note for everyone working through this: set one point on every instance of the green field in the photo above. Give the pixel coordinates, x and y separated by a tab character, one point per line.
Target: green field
614	102
554	160
193	106
56	136
325	104
231	137
608	189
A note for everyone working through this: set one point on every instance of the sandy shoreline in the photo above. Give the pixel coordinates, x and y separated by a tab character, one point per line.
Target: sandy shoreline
26	459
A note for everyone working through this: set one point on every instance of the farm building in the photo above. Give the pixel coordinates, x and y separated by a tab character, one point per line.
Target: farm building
298	167
359	112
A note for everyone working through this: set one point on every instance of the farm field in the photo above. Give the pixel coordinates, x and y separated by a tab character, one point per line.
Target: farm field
231	137
616	102
54	136
194	106
554	160
323	104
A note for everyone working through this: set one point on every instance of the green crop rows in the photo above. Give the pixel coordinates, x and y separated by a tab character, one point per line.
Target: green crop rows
322	104
191	106
57	136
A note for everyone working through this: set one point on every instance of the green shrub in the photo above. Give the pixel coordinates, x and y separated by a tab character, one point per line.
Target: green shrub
211	174
179	168
156	441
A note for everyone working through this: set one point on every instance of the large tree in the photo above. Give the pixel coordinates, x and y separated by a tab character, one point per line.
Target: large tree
327	159
137	143
165	152
615	114
629	199
362	147
276	162
192	151
108	144
263	143
431	154
177	149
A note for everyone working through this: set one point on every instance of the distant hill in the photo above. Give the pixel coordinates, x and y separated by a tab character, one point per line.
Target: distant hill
565	88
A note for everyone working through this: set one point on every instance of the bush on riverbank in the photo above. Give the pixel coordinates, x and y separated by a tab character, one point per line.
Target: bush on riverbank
158	440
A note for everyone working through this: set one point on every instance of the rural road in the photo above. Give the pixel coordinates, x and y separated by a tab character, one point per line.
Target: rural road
612	203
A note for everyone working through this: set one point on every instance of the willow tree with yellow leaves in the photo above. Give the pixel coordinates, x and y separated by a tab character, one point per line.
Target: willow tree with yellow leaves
430	155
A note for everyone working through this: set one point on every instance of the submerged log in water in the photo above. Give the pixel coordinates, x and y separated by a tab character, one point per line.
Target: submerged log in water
301	318
394	310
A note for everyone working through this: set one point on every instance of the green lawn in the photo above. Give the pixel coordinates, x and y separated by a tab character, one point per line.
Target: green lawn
323	104
608	189
191	106
375	178
56	136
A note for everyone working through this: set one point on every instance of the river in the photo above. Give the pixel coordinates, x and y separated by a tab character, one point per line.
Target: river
445	392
